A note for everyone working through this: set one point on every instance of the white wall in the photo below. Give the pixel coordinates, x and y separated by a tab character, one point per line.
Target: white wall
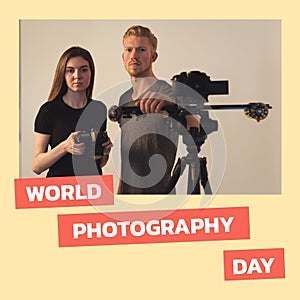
247	53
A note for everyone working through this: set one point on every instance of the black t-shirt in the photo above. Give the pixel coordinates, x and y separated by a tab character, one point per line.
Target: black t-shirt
59	120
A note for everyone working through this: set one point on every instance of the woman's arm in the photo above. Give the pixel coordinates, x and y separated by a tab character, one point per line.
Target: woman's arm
43	159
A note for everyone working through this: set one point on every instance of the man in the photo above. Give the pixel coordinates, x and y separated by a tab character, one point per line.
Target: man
148	142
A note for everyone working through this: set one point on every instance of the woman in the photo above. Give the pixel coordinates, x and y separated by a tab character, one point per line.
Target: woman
68	111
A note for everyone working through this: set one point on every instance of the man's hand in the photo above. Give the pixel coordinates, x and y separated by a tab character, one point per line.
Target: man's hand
154	102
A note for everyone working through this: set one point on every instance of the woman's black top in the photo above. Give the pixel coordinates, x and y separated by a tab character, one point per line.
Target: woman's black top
59	120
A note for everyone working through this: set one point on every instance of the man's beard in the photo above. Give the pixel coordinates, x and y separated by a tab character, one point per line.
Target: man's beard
140	72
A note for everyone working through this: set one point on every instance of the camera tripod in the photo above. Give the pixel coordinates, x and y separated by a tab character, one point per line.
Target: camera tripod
191	91
197	166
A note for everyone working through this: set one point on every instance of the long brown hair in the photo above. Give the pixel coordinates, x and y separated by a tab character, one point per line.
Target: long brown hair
59	86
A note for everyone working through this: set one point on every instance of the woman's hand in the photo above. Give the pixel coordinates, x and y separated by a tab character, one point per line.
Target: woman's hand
44	159
106	150
72	147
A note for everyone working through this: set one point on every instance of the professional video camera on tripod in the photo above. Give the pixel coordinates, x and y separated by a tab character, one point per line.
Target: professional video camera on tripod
191	91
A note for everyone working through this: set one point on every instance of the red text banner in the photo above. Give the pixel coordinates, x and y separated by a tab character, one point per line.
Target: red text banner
185	225
254	264
64	191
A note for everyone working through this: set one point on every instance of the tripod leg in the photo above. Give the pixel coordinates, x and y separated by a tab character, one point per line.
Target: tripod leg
197	189
204	176
178	169
193	178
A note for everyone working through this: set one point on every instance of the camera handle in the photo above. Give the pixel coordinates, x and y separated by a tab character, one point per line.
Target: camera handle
254	110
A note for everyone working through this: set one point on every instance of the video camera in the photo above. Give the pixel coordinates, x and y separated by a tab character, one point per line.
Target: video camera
201	83
191	91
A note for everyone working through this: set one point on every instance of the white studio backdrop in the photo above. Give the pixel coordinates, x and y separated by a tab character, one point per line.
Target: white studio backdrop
247	53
